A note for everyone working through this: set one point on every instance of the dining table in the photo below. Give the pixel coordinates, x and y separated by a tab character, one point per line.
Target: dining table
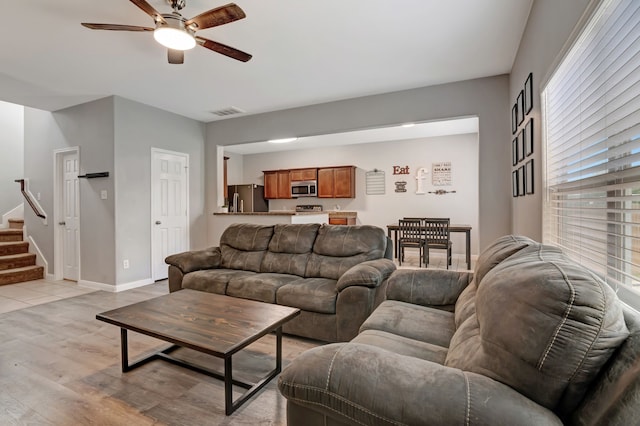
466	229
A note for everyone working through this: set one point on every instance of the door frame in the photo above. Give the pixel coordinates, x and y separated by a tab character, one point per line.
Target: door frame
154	251
58	236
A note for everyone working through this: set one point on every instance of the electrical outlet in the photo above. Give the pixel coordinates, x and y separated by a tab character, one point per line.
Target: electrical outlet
103	194
125	264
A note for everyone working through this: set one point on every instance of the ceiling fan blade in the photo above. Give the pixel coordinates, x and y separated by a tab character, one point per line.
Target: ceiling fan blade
175	56
218	16
149	10
115	27
223	49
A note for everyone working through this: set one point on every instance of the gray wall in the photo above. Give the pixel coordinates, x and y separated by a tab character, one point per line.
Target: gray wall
486	98
114	135
89	127
549	28
11	160
138	129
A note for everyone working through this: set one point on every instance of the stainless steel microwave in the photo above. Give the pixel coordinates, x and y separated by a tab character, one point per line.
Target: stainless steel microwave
304	188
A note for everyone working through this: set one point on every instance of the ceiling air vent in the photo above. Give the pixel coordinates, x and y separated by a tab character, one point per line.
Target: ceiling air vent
228	111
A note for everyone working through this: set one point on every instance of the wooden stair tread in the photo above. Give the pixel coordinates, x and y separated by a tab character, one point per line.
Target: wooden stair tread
15	256
16	223
18	275
9	231
18	260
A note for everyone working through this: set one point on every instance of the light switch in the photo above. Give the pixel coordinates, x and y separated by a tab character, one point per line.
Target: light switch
38	196
103	194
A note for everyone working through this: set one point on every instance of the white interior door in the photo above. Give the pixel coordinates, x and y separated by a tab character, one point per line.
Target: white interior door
71	216
169	211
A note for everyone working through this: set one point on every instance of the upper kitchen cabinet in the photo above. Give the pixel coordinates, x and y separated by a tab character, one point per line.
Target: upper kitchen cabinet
277	184
303	174
337	182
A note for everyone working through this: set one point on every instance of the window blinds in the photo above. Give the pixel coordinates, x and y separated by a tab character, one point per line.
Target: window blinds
591	119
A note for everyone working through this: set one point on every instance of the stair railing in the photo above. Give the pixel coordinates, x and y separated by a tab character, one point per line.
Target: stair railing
27	196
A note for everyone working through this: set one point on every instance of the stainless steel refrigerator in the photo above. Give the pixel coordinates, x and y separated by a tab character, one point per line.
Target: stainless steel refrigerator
247	198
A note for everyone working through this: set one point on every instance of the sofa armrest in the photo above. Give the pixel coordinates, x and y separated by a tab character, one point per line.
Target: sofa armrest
427	287
362	384
371	274
196	260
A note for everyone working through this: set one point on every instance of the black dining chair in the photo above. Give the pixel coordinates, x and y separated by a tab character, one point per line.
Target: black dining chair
411	234
437	236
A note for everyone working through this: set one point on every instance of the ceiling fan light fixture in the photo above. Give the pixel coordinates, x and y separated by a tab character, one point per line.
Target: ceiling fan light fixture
174	38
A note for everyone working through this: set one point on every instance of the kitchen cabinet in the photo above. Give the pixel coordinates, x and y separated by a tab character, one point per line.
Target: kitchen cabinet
303	174
337	182
277	184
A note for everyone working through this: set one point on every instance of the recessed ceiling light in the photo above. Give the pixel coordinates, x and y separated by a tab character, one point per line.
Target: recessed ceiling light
408	124
284	140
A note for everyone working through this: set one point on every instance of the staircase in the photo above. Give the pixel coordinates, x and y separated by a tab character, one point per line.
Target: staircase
16	263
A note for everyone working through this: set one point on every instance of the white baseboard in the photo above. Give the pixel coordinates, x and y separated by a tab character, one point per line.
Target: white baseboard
114	288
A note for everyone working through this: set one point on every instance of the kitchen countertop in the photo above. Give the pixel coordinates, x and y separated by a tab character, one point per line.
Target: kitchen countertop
334	213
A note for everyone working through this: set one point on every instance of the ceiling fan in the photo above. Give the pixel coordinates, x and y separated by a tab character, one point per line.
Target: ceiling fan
179	34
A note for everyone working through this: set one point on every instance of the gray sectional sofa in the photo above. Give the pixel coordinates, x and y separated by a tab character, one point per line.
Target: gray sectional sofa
335	274
530	338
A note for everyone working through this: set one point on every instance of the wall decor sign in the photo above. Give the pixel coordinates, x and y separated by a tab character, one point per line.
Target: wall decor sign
528	134
401	186
441	173
528	94
400	170
375	182
421	174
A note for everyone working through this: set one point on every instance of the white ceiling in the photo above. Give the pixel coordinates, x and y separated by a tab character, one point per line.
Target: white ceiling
304	52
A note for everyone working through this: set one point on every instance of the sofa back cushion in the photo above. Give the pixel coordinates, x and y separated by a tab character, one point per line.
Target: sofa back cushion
290	248
337	248
495	253
543	325
243	246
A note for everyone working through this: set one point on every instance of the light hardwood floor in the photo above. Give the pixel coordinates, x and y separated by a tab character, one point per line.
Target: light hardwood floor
61	366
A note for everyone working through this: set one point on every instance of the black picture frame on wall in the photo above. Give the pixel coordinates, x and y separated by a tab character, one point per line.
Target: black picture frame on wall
514	183
514	119
522	189
514	151
528	94
528	135
529	177
520	103
521	145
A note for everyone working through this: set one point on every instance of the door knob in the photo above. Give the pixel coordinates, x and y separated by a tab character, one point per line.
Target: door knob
62	223
158	222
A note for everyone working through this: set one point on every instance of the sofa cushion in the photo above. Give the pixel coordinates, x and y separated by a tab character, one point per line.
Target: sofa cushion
261	287
543	325
309	294
212	280
289	249
243	246
402	345
337	248
495	253
429	325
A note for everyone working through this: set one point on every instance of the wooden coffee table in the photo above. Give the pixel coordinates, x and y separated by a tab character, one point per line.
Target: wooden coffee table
210	323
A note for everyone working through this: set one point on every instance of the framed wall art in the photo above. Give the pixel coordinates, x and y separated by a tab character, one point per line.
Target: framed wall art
514	183
514	119
521	181
529	177
520	107
521	145
514	151
528	94
528	136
